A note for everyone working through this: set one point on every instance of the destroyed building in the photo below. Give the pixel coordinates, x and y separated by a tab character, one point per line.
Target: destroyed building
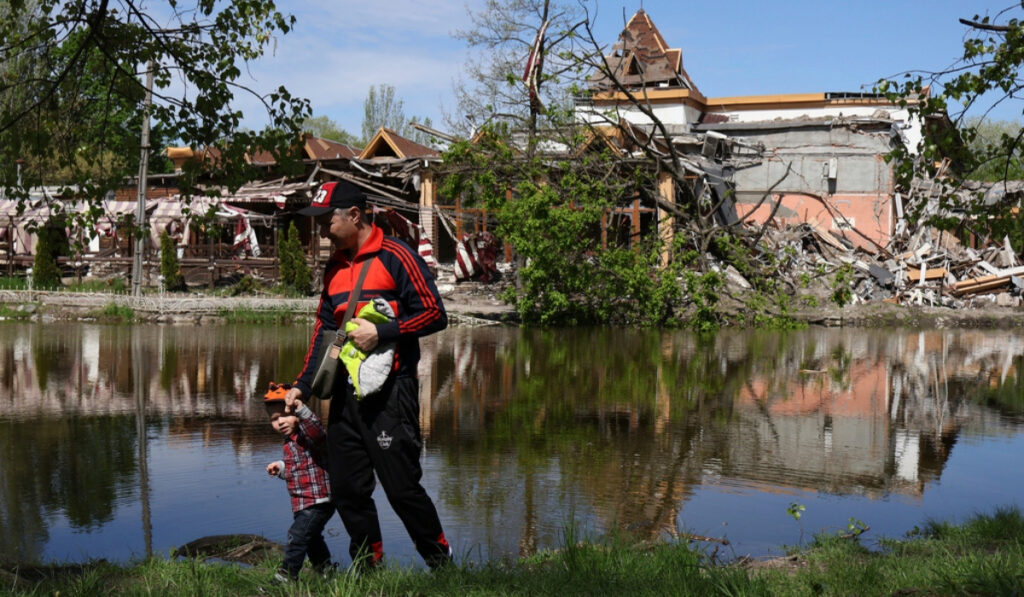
243	236
813	158
810	169
814	163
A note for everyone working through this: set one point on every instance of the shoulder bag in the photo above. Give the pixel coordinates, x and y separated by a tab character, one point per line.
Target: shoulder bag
330	364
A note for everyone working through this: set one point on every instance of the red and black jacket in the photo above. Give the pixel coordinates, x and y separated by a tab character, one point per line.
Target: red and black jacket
396	274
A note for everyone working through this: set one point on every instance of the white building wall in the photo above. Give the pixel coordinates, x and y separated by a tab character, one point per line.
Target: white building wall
677	114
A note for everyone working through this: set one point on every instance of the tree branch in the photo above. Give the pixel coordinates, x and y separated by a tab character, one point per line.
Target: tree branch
985	26
95	21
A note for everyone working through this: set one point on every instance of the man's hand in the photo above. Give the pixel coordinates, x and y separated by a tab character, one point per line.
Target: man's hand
274	469
292	400
365	336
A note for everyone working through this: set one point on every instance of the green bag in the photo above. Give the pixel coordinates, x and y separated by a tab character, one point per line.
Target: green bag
368	372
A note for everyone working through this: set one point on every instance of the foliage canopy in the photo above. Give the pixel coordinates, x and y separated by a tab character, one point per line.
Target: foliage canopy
552	211
987	74
71	101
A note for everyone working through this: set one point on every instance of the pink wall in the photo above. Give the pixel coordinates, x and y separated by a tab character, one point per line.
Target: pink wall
870	214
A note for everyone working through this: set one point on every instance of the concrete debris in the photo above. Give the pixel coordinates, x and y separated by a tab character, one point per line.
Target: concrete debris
931	268
735	277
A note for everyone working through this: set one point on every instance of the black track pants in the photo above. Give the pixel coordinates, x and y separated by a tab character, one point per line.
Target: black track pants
382	434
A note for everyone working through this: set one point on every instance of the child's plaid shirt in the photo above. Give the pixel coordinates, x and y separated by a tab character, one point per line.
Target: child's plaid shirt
305	462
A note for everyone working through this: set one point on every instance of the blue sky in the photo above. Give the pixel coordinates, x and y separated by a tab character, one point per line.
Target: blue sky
339	48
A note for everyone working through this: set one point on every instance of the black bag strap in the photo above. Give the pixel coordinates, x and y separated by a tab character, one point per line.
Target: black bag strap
353	299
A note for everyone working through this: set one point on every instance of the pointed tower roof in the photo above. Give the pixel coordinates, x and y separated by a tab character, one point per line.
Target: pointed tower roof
641	58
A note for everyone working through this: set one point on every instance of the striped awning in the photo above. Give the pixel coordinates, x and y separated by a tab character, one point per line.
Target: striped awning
9	208
40	211
112	210
172	208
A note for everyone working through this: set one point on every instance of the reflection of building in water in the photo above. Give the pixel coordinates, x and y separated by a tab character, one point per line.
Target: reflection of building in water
520	423
89	369
469	371
863	417
635	423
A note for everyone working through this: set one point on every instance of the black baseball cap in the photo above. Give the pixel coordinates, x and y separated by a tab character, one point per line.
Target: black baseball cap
337	194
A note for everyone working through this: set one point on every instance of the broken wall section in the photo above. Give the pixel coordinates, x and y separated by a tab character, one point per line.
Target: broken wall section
827	172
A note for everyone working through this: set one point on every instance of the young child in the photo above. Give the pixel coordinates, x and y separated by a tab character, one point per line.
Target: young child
305	469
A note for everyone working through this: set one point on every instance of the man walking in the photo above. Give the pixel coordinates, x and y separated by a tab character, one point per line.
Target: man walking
379	433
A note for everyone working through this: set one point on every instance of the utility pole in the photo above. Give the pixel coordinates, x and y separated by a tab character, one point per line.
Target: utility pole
141	230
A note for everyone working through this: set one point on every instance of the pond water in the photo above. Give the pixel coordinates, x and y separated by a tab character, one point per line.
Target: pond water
119	442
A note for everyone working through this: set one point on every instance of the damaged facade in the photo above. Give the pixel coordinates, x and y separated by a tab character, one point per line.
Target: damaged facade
810	170
815	158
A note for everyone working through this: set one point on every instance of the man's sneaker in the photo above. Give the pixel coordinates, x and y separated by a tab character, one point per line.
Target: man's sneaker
327	571
441	560
364	567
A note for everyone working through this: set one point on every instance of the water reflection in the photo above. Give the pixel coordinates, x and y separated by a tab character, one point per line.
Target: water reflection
524	429
65	369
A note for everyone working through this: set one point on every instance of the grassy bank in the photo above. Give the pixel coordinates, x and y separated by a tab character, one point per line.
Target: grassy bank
266	316
983	556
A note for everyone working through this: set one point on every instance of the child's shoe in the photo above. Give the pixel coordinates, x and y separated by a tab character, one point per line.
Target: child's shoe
282	577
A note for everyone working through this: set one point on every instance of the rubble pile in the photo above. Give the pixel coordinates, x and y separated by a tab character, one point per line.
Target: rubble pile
931	268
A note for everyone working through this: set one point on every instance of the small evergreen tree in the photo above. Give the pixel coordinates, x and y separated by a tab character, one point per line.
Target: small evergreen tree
170	269
285	258
295	273
52	242
303	279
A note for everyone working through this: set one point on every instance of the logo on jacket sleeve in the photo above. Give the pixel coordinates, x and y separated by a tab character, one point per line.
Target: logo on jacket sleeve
384	440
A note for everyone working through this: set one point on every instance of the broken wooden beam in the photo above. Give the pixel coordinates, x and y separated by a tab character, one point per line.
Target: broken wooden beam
935	273
982	284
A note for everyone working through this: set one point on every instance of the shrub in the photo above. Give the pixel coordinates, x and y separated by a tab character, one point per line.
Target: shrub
170	269
52	242
295	273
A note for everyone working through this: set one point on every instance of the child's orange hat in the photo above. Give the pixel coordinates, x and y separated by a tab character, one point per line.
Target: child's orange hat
276	392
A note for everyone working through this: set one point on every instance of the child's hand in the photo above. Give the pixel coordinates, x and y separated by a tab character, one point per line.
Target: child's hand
274	469
292	400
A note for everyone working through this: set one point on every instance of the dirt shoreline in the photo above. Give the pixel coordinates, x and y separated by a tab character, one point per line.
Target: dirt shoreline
463	307
466	305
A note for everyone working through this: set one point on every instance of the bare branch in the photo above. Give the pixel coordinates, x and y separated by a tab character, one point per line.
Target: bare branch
775	208
985	26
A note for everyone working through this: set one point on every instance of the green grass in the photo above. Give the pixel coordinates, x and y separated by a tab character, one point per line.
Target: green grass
115	285
7	312
13	283
245	287
984	556
114	313
274	315
589	569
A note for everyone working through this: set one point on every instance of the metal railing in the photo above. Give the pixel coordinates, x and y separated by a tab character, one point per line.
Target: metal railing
169	303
